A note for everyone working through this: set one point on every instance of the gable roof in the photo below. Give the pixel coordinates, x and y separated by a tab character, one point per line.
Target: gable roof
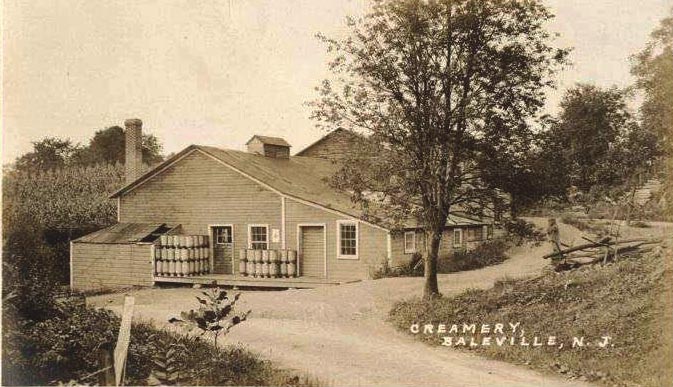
305	179
327	137
269	140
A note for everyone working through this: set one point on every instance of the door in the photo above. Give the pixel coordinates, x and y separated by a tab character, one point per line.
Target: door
312	251
223	249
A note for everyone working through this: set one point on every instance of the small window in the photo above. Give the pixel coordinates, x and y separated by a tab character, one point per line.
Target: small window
478	234
409	242
258	237
457	237
347	240
222	234
489	232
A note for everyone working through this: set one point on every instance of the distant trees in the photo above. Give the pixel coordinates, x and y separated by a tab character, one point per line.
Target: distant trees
444	90
595	142
653	68
106	147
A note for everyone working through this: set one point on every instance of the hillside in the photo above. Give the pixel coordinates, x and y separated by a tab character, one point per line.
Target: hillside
629	301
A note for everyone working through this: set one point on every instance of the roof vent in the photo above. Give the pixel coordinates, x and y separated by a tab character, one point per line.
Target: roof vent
269	146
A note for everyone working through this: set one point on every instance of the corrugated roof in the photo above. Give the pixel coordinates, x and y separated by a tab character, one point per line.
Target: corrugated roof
269	140
304	178
124	233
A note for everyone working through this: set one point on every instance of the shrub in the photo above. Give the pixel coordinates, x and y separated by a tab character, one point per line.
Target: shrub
408	269
519	231
485	254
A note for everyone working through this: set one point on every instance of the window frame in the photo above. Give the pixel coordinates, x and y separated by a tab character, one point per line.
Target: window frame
355	223
231	234
250	242
413	235
460	243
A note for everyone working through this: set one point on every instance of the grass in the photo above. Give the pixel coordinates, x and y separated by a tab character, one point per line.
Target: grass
585	225
622	300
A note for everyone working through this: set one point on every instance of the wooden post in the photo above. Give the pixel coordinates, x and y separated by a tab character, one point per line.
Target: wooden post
105	363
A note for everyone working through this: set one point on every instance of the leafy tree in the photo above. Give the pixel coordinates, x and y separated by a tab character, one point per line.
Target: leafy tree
596	141
108	146
439	87
653	68
49	153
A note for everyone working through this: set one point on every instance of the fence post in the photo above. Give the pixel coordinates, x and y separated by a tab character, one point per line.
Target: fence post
106	377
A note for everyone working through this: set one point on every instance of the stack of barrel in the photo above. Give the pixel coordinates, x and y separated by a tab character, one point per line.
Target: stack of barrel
267	263
182	256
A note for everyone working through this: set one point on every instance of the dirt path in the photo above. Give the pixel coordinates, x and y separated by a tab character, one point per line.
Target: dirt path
339	334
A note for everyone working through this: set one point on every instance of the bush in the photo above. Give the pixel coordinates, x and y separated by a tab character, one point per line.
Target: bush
485	254
519	231
65	348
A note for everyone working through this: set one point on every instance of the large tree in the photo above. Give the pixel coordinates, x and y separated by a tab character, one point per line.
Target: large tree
596	141
440	88
653	68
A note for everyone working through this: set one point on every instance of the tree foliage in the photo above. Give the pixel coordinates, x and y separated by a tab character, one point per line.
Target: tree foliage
107	146
653	68
441	88
596	141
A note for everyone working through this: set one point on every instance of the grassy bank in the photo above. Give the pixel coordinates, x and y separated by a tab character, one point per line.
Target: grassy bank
622	300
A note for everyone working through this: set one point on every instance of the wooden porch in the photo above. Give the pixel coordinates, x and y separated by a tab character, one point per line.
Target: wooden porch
241	281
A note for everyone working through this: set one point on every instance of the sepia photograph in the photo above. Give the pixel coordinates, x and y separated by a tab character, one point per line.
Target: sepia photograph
337	193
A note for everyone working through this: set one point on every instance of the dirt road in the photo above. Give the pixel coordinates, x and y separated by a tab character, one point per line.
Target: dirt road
339	333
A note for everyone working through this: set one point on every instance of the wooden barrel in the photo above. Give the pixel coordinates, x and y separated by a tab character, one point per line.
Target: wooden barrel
257	258
163	240
206	252
291	269
250	262
191	267
265	263
205	240
274	270
189	241
157	267
242	262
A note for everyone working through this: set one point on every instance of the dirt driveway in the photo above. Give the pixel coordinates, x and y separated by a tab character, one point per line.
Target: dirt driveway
339	333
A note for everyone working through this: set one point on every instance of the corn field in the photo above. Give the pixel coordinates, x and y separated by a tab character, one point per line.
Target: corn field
69	198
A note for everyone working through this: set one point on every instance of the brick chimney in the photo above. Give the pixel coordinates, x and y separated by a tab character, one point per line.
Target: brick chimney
134	151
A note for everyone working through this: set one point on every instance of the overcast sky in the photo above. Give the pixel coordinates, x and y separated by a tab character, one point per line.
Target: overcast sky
216	72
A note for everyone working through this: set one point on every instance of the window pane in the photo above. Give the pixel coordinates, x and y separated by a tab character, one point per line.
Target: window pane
348	242
258	237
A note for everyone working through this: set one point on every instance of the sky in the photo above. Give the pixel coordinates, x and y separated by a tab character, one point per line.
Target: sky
215	72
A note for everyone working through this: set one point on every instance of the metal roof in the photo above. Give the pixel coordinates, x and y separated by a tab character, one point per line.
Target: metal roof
269	140
125	233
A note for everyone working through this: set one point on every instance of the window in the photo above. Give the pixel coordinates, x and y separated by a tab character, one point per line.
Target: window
409	242
475	234
457	237
489	232
347	239
258	236
222	234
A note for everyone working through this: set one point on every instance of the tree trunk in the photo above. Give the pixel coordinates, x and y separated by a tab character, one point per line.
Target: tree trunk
431	289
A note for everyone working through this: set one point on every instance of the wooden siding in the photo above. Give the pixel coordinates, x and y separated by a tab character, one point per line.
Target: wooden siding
372	241
107	266
312	251
197	192
445	246
333	146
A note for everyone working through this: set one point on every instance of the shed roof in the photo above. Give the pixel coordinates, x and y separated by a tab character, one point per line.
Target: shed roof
302	178
269	140
125	233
